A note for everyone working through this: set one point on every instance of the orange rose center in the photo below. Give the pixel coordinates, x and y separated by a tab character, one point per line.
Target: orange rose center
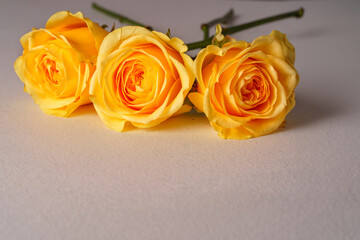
52	75
253	90
131	86
135	78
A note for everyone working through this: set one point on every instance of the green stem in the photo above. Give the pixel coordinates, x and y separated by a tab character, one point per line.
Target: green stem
121	18
201	44
224	19
205	29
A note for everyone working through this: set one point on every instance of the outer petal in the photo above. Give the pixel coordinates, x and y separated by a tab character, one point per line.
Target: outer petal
197	99
210	52
259	127
277	45
81	33
239	133
174	42
36	38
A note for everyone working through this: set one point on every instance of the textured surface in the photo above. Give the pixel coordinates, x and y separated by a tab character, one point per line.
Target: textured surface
75	179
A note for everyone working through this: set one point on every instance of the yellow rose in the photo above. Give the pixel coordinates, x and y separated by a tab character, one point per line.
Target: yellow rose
246	90
59	61
142	78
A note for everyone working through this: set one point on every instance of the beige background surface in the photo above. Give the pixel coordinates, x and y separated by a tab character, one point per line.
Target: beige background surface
75	179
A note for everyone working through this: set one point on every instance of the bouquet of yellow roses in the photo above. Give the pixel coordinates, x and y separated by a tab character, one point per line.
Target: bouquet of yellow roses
137	76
